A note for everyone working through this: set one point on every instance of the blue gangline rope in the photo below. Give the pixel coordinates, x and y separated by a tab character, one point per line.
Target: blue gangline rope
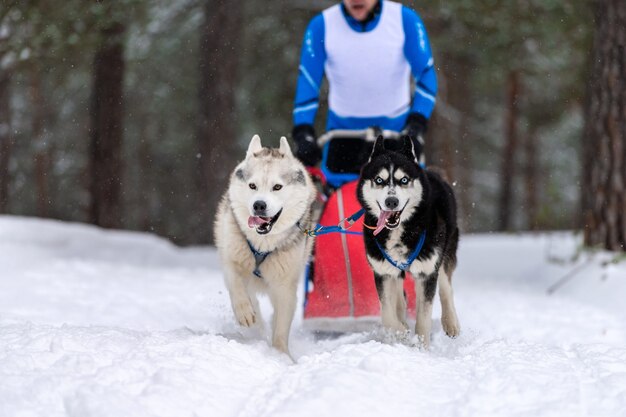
322	230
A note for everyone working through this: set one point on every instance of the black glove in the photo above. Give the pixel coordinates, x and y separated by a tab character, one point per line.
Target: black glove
307	150
415	128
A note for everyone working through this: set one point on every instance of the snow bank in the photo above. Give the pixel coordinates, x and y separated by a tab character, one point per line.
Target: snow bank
103	323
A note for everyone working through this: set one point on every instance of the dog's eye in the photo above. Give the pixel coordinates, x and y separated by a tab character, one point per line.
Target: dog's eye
277	187
379	180
404	180
252	186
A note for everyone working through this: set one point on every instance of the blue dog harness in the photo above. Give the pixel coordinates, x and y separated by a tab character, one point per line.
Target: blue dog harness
259	257
404	266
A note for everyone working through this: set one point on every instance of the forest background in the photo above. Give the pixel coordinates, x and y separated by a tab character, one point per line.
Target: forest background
131	114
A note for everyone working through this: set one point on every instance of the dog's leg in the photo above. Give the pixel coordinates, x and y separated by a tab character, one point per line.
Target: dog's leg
283	298
239	299
401	304
425	287
449	319
254	300
389	293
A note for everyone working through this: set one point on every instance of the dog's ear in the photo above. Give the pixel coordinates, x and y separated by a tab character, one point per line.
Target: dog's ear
254	147
379	147
407	147
285	149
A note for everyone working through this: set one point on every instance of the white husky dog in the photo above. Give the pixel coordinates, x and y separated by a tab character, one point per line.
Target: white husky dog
259	238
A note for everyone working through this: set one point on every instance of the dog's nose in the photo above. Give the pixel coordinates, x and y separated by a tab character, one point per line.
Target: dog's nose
259	206
392	203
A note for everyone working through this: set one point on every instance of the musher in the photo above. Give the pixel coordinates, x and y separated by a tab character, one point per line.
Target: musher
368	50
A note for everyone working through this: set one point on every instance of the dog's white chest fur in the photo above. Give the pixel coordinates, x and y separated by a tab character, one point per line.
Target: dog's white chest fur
426	266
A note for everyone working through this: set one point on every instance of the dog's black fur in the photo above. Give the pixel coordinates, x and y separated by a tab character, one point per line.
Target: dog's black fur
435	213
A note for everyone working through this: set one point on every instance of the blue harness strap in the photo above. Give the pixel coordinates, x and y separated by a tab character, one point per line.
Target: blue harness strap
356	216
259	257
322	230
404	266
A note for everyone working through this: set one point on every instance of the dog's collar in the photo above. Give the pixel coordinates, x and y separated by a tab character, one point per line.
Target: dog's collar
259	257
404	266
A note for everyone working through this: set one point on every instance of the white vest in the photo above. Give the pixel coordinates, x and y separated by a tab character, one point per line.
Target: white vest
367	72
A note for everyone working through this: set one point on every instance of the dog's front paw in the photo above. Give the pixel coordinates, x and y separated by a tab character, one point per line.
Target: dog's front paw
451	326
390	323
396	332
399	328
245	313
280	344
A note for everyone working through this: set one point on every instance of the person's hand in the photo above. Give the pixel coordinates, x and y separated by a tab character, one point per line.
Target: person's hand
415	128
307	150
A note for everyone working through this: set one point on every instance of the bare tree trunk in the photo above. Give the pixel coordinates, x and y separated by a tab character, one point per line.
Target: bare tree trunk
447	145
5	139
39	143
106	129
439	146
605	129
145	178
460	97
219	58
507	171
531	175
465	179
587	154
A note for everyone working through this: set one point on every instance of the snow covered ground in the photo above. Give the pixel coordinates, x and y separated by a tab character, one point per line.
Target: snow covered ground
101	323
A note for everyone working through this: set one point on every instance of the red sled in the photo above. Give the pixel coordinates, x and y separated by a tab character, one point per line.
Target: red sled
340	289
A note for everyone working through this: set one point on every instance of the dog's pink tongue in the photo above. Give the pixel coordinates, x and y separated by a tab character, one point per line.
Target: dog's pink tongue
254	221
384	215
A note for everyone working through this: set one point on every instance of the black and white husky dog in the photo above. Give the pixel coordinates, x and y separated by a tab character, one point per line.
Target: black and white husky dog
410	226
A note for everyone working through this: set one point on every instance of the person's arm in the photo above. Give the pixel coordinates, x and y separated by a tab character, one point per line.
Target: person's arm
418	53
310	75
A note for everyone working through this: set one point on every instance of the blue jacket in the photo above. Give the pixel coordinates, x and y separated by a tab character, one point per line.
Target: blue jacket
368	66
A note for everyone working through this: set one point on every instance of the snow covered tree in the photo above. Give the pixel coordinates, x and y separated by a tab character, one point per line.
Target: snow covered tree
605	131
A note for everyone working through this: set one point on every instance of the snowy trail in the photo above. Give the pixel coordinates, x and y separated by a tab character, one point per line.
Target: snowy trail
96	323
